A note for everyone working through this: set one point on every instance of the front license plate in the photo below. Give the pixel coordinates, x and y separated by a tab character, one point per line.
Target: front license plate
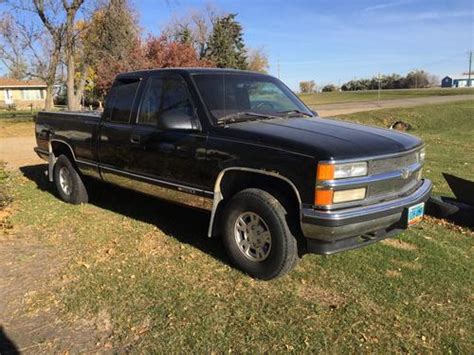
415	213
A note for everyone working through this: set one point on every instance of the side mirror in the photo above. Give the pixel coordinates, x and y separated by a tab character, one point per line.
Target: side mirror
314	113
176	120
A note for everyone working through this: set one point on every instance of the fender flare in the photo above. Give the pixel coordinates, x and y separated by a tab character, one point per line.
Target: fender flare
218	194
52	158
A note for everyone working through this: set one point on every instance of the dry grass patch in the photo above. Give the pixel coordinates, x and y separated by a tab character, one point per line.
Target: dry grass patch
411	265
393	273
399	244
11	128
321	296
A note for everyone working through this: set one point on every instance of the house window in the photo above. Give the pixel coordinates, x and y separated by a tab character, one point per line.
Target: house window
31	94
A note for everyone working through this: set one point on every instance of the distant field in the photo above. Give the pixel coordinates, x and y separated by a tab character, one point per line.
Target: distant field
370	95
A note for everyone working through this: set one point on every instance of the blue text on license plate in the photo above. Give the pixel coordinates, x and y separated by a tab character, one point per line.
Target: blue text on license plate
415	213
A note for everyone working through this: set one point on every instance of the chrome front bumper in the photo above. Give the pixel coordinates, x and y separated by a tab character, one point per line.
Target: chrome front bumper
332	226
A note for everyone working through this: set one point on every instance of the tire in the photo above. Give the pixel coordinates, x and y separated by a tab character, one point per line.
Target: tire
68	182
256	235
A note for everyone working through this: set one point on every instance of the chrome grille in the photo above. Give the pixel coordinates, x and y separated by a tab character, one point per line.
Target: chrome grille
392	187
398	186
392	164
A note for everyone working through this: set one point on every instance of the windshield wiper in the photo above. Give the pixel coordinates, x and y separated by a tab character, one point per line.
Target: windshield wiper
291	112
243	116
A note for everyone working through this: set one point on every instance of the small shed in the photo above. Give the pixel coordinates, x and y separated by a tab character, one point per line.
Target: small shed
447	82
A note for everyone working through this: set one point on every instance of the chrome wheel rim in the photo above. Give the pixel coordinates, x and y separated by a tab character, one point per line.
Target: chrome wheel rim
65	180
252	236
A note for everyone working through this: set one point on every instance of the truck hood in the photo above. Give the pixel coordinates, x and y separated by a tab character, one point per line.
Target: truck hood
322	138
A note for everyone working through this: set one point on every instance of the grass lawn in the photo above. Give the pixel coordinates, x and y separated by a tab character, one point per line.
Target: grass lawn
371	95
147	270
447	130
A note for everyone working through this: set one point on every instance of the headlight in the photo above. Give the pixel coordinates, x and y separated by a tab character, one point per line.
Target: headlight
341	171
421	155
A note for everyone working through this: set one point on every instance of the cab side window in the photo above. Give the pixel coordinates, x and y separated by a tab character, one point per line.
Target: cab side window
176	100
121	100
166	100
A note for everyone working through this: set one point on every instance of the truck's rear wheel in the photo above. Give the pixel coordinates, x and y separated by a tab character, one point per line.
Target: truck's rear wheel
68	182
256	235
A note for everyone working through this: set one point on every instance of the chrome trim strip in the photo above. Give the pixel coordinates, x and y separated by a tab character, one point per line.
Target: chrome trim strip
87	162
151	187
184	188
369	179
374	157
375	208
218	194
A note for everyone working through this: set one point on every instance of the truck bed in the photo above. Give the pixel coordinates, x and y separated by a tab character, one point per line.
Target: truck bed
78	129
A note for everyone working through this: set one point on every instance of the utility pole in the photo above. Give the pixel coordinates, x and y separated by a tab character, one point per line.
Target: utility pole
469	72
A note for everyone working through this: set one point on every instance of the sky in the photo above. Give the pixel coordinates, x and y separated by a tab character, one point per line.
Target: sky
331	41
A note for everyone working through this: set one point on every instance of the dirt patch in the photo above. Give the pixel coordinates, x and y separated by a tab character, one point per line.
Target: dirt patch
18	152
399	244
10	128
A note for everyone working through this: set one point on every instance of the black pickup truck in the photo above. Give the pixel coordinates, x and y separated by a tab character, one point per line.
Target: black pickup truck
279	181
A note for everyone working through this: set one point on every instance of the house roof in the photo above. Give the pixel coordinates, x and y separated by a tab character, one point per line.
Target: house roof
15	83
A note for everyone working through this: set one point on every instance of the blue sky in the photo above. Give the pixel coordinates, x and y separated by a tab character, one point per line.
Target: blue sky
331	41
335	41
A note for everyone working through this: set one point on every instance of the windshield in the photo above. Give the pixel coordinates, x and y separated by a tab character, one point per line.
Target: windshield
230	95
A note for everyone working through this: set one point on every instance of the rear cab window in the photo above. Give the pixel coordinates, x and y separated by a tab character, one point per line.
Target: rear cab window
121	99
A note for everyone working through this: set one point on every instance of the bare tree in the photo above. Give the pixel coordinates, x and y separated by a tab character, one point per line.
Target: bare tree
257	60
307	87
73	93
31	51
197	24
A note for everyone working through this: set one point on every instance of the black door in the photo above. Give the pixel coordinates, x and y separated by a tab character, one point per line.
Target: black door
168	142
115	133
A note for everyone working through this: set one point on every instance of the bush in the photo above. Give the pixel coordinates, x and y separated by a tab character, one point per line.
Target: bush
329	88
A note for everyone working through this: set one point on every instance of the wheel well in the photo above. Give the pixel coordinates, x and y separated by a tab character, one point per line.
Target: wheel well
59	148
236	181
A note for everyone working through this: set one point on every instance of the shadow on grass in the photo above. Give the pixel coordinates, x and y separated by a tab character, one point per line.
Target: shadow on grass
7	346
185	224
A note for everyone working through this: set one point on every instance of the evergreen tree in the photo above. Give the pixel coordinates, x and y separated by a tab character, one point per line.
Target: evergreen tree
185	36
226	46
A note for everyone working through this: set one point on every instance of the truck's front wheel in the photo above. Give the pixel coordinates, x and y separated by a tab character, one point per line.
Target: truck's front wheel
68	182
256	235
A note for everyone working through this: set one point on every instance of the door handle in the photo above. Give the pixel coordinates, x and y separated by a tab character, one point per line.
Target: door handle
135	139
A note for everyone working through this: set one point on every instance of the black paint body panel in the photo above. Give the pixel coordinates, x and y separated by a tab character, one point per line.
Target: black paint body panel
290	147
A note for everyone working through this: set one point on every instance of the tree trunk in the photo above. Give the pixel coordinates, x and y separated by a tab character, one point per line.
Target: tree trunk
71	95
49	104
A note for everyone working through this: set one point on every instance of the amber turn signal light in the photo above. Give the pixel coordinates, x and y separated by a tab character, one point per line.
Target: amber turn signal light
325	172
323	197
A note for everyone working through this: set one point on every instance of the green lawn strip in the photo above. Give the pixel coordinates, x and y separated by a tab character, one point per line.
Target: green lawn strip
372	95
447	130
164	285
